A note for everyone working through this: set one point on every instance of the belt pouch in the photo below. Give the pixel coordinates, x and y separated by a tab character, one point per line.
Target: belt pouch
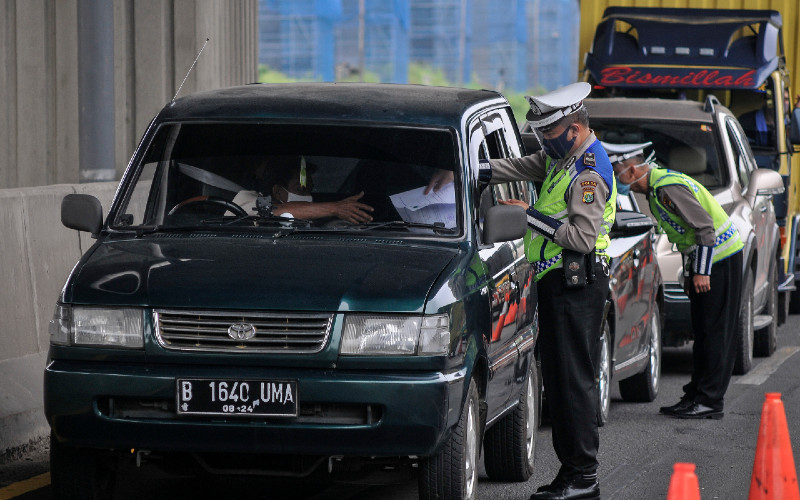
574	268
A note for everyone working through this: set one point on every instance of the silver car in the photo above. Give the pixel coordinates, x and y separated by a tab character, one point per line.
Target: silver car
705	141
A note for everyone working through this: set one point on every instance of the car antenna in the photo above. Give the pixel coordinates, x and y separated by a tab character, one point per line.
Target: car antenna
190	70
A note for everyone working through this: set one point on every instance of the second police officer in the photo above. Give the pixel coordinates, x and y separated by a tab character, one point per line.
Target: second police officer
569	225
712	250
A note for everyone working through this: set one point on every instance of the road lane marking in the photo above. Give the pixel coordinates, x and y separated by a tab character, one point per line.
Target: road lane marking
761	373
20	488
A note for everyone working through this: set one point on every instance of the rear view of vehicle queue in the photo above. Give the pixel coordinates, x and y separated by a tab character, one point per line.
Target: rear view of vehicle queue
569	225
712	251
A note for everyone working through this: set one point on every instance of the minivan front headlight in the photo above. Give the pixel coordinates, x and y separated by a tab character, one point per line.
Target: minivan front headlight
366	334
95	326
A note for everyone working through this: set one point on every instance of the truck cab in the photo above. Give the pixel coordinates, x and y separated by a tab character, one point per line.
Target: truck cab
736	55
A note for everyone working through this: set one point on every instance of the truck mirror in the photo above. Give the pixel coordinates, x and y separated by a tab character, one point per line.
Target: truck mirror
794	134
82	212
504	223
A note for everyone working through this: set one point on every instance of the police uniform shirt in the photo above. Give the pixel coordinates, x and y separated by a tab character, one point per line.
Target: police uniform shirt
681	202
585	212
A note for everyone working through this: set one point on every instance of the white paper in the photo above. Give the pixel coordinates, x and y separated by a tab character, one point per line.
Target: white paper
436	206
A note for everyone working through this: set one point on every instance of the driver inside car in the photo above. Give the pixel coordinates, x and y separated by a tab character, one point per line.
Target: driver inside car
290	195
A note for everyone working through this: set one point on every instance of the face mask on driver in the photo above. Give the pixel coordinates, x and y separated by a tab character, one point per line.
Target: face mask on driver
558	147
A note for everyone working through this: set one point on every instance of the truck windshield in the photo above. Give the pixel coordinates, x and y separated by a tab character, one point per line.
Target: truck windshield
687	147
253	175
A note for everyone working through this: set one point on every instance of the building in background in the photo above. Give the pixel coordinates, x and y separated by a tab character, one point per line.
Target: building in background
524	45
59	56
381	45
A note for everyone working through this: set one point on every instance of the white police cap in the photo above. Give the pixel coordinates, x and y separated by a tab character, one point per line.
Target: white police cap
621	152
553	106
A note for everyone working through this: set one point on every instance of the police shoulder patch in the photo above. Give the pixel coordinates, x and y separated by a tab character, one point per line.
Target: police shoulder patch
588	159
588	194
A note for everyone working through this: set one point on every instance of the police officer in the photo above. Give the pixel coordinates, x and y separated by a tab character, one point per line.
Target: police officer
712	249
569	231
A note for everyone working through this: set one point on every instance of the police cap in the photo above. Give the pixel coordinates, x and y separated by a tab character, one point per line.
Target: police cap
621	152
547	109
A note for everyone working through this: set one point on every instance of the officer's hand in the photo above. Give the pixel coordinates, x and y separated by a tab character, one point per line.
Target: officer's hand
512	201
702	283
438	180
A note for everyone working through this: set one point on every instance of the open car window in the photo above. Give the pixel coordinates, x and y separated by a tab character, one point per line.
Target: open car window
223	175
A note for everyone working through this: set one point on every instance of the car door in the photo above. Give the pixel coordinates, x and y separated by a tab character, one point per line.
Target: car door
486	141
631	289
762	213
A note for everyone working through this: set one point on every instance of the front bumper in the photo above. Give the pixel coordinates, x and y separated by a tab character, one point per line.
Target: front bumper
352	413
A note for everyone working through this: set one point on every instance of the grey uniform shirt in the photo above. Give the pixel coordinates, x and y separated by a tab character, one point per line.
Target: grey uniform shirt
690	210
580	231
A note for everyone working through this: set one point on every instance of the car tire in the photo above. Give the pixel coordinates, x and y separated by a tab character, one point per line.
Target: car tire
765	340
604	376
452	474
509	445
744	329
79	473
643	387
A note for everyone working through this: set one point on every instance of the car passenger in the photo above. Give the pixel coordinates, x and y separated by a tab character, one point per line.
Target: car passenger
291	194
709	241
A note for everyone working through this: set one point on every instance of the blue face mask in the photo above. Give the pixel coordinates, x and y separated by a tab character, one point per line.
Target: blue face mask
623	189
559	147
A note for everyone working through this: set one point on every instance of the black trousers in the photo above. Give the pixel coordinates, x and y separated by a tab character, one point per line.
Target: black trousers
714	323
569	349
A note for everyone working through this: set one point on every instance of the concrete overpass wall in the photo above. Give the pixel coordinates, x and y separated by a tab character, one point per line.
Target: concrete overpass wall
37	254
155	43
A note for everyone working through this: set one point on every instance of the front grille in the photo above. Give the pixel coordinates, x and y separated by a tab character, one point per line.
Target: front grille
273	332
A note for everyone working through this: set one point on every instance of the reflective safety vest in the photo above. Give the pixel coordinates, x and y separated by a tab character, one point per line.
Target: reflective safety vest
544	254
727	240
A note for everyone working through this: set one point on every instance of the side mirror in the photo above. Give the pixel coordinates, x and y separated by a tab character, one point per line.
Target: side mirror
763	182
629	223
82	212
504	223
794	132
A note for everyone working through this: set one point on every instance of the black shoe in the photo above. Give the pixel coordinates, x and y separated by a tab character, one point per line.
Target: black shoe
560	478
576	488
696	410
684	403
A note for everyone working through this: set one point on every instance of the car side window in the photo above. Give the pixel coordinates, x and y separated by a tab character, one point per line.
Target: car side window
488	141
741	153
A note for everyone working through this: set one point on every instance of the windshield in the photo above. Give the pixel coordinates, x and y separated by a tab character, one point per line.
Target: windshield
304	177
687	147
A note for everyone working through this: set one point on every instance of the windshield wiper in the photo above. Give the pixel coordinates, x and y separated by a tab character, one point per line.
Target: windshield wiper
285	221
437	227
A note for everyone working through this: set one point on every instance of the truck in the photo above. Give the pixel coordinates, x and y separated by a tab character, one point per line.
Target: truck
739	57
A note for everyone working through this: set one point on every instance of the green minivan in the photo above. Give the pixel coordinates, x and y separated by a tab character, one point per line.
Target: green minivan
306	278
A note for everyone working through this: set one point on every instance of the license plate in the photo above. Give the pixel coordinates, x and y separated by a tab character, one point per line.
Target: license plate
273	398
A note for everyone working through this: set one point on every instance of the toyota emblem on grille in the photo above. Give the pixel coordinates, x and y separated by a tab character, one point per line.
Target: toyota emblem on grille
241	331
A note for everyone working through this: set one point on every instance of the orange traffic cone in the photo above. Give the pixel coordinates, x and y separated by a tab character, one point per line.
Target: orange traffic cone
683	485
774	476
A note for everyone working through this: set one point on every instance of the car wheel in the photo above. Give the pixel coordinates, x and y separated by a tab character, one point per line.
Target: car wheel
744	329
643	387
452	474
509	445
79	474
604	376
766	339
